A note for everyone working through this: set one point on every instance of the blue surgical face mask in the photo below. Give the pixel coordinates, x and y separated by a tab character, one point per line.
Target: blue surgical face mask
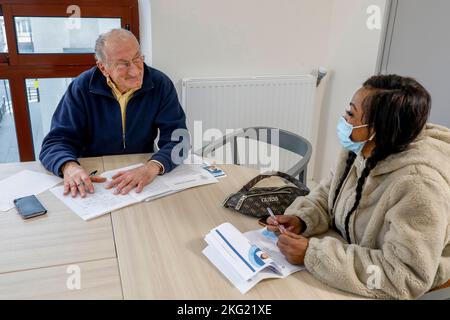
344	133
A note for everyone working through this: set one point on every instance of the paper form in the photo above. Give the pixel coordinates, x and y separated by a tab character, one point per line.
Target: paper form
246	259
240	253
187	176
95	204
267	242
104	200
155	188
234	276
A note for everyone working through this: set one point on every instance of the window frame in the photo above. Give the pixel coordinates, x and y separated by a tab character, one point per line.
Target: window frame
17	67
3	55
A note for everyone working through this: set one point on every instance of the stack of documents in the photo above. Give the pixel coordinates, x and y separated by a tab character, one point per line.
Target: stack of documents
246	259
103	200
22	184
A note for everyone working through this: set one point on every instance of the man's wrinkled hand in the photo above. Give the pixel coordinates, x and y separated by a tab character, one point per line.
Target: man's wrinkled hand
76	180
125	181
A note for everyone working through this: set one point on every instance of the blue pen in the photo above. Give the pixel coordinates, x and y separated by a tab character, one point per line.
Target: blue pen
280	226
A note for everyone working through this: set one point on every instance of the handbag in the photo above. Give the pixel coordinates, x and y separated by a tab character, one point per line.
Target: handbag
253	201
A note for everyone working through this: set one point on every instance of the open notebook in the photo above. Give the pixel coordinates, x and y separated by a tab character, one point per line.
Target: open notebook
246	259
103	200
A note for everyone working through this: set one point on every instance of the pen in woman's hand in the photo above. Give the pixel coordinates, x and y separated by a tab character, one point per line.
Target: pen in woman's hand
280	226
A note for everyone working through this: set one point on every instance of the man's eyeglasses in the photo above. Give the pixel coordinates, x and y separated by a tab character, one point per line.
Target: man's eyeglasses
125	65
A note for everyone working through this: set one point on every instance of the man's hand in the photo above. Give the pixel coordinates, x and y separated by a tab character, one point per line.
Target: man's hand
77	180
139	177
290	223
293	247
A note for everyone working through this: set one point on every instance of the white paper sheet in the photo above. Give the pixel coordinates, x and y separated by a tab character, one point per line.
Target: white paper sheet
236	249
95	204
24	183
187	176
230	273
231	252
151	191
109	174
103	200
267	242
156	188
192	158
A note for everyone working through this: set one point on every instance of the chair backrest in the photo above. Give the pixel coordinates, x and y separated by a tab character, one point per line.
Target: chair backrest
286	140
441	294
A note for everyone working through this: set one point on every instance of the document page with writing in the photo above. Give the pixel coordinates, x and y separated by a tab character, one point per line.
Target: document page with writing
246	259
94	205
267	242
188	176
155	188
104	200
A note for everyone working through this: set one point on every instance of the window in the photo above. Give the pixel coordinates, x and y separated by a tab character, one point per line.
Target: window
3	45
43	96
59	35
9	151
44	44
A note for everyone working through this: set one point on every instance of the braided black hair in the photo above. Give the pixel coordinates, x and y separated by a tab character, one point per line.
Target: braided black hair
350	160
397	111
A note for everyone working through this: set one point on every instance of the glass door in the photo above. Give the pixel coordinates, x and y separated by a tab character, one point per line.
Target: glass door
43	46
9	150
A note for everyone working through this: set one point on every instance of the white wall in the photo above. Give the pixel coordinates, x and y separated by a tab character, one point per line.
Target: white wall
353	53
145	29
203	38
418	50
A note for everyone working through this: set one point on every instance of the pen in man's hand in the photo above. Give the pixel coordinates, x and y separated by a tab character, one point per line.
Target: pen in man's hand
280	226
90	175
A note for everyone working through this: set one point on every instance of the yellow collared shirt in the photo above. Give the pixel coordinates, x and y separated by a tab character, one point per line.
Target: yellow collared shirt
123	99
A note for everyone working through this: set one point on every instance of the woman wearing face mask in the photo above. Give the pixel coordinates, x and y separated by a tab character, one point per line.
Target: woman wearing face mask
389	199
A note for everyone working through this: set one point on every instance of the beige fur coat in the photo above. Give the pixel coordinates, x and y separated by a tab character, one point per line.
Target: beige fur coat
400	233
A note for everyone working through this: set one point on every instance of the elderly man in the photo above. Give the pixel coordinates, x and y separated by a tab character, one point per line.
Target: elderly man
114	108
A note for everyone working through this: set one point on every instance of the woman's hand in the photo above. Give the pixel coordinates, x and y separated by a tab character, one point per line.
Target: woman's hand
293	247
290	223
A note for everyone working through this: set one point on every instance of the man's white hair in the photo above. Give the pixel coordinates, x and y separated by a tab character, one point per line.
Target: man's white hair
120	34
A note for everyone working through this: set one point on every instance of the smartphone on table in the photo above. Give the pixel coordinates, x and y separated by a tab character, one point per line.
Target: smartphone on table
29	207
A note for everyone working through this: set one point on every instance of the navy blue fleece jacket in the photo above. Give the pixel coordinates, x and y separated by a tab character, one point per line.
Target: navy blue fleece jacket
88	122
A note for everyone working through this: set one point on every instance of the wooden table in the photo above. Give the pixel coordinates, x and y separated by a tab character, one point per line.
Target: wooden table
35	254
151	250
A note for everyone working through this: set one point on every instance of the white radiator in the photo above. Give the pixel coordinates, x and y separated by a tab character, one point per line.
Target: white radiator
285	102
